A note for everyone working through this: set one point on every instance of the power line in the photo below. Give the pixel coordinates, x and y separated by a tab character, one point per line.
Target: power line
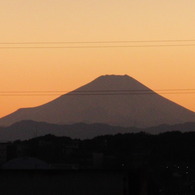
95	42
97	94
100	46
92	91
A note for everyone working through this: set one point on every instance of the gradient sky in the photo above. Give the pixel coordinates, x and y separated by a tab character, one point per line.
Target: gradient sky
94	20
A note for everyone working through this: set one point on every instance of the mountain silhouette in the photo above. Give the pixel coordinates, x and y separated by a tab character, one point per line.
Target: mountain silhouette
110	99
25	130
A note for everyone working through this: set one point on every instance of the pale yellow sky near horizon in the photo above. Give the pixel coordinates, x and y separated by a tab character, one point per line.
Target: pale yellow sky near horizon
94	20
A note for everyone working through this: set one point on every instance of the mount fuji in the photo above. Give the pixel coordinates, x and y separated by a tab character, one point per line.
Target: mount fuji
110	99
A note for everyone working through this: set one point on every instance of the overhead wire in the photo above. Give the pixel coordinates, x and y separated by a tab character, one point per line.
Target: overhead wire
97	92
100	46
92	91
96	44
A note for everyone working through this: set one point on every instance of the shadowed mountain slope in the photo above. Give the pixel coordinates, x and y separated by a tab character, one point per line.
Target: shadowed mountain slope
110	99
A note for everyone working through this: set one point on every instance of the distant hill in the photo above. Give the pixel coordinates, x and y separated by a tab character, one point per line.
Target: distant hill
111	99
29	129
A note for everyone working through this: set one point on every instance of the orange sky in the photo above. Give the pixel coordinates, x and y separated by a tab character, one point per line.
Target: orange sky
94	20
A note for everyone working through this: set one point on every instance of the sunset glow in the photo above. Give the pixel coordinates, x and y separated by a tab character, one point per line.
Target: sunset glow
64	69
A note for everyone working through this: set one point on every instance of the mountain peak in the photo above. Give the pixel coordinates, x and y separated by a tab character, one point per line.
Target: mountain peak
114	82
113	77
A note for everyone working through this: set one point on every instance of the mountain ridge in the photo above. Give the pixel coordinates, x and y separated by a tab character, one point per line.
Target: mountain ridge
110	99
25	130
